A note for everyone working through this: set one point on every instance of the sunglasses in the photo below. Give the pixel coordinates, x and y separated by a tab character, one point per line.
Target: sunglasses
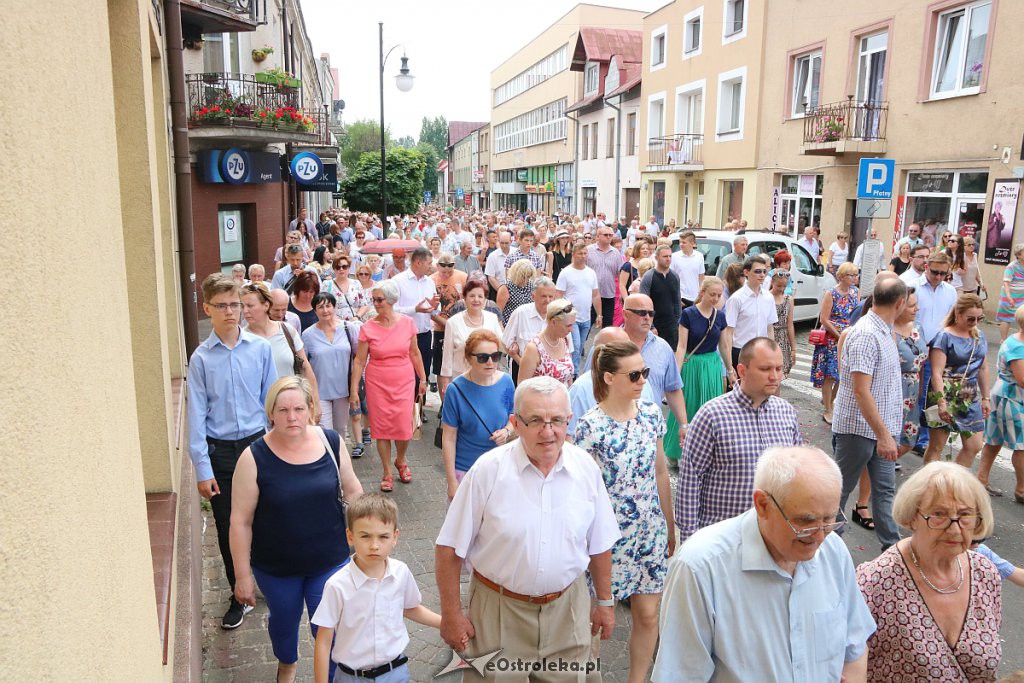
938	273
642	312
484	357
445	265
759	271
635	375
974	318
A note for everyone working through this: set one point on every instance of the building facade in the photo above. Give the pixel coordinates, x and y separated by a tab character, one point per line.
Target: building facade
702	72
465	188
934	86
533	144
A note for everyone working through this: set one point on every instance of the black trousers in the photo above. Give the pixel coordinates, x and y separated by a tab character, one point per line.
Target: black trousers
669	331
426	353
515	372
607	311
223	458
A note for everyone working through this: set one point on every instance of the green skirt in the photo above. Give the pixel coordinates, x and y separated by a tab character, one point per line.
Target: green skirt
702	381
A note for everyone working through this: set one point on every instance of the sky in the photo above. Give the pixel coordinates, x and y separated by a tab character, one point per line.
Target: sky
452	47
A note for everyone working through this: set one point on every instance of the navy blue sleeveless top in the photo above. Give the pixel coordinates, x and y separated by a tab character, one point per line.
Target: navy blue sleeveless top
298	528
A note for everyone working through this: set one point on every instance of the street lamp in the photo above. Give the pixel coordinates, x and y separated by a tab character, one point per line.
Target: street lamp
404	82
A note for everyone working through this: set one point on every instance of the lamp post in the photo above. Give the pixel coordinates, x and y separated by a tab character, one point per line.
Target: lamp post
404	82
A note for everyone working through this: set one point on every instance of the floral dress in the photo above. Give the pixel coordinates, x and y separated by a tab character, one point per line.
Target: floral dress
964	357
626	453
563	370
913	355
826	357
781	331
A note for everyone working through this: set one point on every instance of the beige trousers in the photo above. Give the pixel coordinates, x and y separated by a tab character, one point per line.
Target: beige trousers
538	643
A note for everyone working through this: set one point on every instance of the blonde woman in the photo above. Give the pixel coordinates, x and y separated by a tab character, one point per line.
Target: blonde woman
517	289
548	353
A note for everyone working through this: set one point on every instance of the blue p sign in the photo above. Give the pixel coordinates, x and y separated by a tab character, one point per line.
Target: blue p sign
875	178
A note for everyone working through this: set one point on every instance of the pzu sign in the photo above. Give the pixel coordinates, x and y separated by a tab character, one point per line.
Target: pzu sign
875	178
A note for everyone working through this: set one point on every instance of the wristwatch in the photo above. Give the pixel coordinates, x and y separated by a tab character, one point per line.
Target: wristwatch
605	603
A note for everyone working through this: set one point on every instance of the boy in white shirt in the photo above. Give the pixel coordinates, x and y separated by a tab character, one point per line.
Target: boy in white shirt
357	603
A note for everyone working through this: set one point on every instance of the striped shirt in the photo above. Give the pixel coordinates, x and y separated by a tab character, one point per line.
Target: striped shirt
871	350
606	264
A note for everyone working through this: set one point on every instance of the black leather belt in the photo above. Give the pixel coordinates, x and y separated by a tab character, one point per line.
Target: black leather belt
377	670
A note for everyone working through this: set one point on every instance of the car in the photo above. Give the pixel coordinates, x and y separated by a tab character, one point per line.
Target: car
810	279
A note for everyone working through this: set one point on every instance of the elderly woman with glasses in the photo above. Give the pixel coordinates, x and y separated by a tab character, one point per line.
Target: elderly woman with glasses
352	303
837	307
937	605
476	414
461	325
389	353
548	354
623	433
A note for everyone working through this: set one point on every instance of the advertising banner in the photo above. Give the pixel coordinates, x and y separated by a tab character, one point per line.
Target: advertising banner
1002	217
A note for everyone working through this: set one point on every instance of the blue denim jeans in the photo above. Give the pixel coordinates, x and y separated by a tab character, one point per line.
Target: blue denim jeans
580	331
922	401
854	453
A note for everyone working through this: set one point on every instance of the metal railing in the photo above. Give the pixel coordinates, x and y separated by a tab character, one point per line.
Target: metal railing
249	8
681	149
246	97
846	121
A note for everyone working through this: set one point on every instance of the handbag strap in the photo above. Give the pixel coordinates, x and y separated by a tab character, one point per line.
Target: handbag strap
711	325
468	403
291	344
334	458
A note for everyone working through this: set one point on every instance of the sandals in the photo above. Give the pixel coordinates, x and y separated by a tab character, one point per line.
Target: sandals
387	483
404	473
993	491
866	522
357	450
1018	498
826	418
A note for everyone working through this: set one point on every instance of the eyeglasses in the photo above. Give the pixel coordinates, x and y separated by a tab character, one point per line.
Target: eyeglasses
378	299
556	423
484	357
363	273
642	312
974	318
940	521
635	375
938	273
224	308
825	528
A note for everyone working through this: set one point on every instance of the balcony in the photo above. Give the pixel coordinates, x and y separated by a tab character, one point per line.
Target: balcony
220	16
679	152
846	128
233	108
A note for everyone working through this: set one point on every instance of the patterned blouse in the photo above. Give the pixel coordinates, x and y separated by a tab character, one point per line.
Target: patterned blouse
908	645
548	366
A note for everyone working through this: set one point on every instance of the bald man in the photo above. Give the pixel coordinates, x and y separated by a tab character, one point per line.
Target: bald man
279	309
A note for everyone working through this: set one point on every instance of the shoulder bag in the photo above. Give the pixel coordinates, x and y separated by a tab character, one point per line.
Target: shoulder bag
297	362
337	464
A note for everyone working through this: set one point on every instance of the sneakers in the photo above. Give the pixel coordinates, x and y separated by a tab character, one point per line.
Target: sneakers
357	450
234	616
366	436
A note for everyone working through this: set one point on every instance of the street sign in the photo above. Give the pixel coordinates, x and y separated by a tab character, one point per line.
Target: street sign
469	200
426	197
776	208
874	208
875	179
561	188
459	193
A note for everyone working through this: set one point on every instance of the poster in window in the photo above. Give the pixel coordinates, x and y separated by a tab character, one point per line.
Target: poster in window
1001	220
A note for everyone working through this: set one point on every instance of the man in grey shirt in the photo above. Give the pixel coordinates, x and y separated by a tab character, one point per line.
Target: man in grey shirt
738	253
465	260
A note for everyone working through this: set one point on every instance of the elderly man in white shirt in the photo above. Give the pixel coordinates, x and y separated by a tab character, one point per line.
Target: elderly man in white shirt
531	517
526	322
418	299
749	313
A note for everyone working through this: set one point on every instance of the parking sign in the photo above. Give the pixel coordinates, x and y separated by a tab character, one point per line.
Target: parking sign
875	178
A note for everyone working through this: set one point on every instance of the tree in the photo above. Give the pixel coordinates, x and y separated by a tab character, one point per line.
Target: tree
404	182
360	137
431	158
405	141
434	132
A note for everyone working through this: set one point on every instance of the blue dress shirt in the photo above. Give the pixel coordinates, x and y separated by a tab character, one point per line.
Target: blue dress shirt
730	614
226	392
661	359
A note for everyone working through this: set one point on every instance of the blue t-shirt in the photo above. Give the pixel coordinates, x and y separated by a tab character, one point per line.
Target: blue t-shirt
697	326
1004	567
493	405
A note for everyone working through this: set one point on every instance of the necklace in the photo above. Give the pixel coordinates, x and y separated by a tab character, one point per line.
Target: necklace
948	590
474	323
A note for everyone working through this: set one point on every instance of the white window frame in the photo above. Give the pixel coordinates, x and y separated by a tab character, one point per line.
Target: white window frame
728	78
695	15
959	90
592	70
660	32
688	90
651	99
865	54
731	37
794	71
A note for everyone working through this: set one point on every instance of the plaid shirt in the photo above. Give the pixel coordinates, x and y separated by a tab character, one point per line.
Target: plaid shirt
725	439
532	256
870	349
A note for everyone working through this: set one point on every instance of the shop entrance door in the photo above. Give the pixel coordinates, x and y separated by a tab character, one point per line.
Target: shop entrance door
232	239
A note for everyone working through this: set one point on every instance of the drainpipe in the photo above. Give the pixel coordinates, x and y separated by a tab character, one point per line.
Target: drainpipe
182	176
575	164
618	156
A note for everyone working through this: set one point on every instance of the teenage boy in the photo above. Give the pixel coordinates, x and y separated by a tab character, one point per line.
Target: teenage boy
358	602
228	378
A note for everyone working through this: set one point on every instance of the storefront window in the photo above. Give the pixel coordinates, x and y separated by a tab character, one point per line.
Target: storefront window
938	200
801	201
732	200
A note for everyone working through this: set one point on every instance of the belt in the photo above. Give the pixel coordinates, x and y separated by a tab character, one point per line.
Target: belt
228	442
375	671
532	599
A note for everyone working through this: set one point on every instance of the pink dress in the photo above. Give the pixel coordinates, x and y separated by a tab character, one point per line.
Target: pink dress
562	370
908	645
390	378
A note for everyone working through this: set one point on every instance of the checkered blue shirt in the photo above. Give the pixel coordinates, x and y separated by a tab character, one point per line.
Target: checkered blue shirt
725	439
869	349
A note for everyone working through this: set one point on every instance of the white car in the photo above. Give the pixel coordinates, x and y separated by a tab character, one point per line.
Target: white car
810	279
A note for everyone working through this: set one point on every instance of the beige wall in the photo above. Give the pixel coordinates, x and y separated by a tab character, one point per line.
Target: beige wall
72	488
959	133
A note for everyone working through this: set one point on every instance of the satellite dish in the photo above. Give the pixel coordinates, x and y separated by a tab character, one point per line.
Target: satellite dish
339	105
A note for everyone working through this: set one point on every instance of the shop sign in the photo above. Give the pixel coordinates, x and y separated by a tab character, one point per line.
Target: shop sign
549	186
1002	217
327	181
306	168
239	166
561	188
531	188
776	208
469	200
522	175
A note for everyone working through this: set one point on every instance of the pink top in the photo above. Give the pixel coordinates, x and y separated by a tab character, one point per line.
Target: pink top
562	370
908	645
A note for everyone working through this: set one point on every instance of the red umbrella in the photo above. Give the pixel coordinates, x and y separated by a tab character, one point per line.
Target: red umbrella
388	246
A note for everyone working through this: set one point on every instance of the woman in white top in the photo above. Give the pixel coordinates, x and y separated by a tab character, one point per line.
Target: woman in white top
461	325
352	303
256	304
839	252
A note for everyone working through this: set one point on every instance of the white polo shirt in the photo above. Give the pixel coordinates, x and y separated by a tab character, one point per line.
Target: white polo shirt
367	614
689	270
530	533
751	314
495	266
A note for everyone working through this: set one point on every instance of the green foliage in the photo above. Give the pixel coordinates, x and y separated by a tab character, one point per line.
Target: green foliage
405	141
404	181
361	137
431	158
434	132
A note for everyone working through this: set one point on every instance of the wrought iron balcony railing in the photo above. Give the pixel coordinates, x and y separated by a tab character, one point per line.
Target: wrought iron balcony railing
681	149
846	121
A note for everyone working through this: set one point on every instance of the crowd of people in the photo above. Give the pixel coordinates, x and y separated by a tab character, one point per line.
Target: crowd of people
552	344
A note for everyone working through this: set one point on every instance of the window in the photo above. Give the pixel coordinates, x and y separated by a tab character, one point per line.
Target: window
731	93
631	134
593	73
806	83
544	124
732	200
656	116
692	25
735	24
593	140
554	63
220	53
585	142
960	40
610	152
658	46
690	108
801	201
946	200
871	67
